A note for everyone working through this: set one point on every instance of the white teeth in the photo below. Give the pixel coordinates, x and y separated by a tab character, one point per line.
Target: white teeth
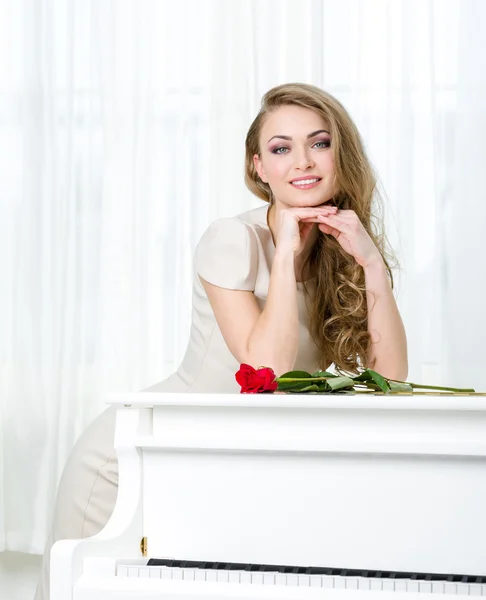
304	181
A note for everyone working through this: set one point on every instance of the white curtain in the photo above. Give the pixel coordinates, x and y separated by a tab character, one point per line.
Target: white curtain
122	126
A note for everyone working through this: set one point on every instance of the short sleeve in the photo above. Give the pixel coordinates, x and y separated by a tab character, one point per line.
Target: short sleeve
227	255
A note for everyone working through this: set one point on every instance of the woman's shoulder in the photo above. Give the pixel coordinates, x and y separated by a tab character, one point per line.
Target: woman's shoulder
227	253
254	217
237	230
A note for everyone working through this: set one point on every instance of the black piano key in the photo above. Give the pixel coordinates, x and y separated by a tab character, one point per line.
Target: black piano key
236	566
312	570
270	568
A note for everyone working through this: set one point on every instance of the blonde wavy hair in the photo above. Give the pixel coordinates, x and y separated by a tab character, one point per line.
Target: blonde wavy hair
338	310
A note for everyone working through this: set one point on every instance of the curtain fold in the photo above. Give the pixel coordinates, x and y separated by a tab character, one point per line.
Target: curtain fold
464	219
122	137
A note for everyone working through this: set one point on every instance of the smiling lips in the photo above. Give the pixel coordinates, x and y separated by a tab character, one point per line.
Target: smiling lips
305	183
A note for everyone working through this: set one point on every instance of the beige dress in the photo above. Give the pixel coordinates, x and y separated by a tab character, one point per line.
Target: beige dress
234	253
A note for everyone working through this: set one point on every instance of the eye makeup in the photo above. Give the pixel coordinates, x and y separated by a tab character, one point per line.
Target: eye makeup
324	143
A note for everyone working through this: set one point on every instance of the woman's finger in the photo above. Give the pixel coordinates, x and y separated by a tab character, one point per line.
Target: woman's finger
313	218
329	230
339	224
311	210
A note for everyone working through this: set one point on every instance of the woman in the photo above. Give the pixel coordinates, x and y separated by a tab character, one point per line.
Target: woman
301	282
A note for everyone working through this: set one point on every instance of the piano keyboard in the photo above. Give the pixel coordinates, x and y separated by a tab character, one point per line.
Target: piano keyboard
306	577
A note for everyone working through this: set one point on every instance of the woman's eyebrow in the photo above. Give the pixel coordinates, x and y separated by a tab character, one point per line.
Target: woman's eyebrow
287	137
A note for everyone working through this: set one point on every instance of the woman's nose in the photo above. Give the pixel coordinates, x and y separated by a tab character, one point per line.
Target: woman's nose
304	161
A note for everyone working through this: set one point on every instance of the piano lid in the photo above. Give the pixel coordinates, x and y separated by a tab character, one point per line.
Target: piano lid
402	401
389	483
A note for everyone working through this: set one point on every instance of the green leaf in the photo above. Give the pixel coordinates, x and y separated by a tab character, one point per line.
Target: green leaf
371	385
339	383
310	388
368	376
292	386
379	380
400	387
323	374
364	376
295	375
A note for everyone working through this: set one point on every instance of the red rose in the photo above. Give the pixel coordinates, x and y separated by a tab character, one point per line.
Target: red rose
256	381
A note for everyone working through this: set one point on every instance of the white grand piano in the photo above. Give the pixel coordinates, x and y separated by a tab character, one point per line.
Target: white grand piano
289	497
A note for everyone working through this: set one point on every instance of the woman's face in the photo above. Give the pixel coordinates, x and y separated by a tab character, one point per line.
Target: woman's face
295	144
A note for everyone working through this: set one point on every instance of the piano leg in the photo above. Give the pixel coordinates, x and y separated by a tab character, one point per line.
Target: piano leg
87	491
122	534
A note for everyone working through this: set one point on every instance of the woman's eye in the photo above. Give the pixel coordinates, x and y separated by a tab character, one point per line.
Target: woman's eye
320	144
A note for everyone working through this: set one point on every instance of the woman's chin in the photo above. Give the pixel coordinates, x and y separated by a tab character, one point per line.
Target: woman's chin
311	201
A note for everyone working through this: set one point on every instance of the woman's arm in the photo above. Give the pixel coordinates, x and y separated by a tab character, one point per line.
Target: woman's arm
389	342
275	336
268	337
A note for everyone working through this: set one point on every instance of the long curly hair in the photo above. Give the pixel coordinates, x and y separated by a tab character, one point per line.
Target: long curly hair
338	309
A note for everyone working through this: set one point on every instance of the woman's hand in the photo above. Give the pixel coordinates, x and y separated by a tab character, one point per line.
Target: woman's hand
295	224
348	230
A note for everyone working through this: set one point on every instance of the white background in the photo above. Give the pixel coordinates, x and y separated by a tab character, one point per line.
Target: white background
122	128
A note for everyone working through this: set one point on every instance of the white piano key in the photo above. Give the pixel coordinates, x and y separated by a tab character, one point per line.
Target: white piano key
463	588
189	575
223	576
450	587
245	577
425	587
401	585
211	575
340	583
364	583
376	584
273	578
122	571
352	583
